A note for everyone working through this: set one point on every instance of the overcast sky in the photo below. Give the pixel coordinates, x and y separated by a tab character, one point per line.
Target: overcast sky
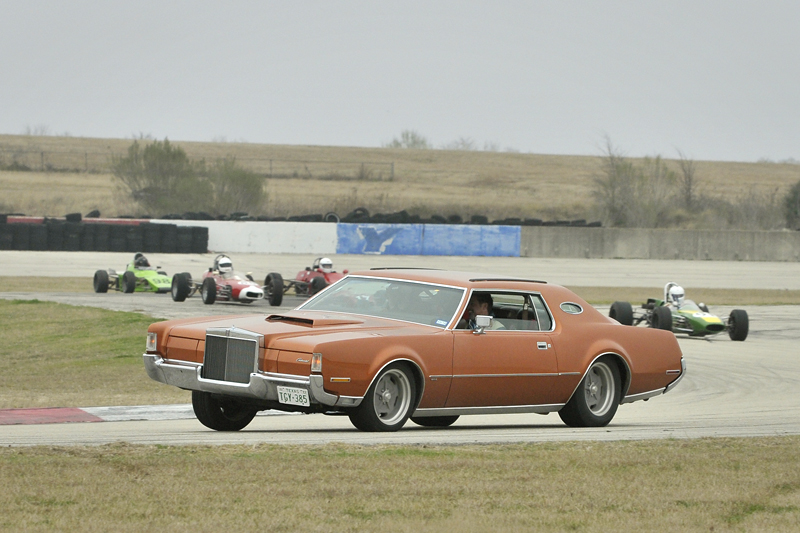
716	79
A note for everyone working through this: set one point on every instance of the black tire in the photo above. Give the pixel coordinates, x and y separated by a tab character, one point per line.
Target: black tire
622	312
316	285
221	414
101	281
128	282
208	291
738	325
434	421
180	287
273	288
661	318
389	401
594	403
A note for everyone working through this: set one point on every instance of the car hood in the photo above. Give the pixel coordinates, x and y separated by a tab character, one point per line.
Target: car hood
285	329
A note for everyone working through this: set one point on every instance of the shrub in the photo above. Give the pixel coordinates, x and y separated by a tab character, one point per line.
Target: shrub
791	207
235	189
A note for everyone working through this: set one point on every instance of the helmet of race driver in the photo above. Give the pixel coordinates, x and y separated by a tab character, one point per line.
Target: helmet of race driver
676	295
224	264
326	265
140	261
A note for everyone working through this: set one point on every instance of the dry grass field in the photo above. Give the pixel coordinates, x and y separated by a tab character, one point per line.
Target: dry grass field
424	182
692	485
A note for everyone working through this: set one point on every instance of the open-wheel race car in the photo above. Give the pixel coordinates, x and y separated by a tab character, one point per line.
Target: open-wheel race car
139	276
221	282
308	282
679	315
387	345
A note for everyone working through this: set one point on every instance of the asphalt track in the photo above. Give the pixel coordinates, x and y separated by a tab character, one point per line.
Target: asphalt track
732	389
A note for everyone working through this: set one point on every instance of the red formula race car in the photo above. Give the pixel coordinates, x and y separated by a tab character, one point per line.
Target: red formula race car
307	282
221	282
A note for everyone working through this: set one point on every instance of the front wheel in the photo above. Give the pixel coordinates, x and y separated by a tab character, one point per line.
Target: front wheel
661	318
128	282
738	325
209	291
221	414
388	402
596	399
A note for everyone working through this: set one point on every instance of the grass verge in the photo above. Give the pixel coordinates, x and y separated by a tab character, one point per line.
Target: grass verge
669	485
65	356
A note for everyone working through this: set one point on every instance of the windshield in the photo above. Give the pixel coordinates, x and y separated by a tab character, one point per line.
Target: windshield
422	303
689	305
235	274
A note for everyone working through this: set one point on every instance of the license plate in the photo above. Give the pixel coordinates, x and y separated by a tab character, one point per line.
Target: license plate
293	396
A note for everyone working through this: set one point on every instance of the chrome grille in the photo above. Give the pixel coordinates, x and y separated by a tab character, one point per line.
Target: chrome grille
230	355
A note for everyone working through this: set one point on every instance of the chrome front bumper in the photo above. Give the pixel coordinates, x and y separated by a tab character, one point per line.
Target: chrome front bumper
262	385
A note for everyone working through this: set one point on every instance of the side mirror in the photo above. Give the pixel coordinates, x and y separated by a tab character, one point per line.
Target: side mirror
308	268
481	323
210	269
345	271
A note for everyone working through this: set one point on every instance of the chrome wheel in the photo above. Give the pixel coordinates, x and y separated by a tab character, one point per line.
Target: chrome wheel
599	389
392	397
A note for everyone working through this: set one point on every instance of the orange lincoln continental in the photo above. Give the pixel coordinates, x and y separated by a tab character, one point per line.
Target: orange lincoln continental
386	345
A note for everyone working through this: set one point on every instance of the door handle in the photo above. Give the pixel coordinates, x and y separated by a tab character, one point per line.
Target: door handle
542	345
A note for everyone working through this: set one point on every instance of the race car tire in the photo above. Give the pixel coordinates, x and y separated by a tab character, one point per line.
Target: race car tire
316	285
128	282
180	287
209	291
273	288
661	318
221	414
595	401
622	312
101	281
434	421
738	325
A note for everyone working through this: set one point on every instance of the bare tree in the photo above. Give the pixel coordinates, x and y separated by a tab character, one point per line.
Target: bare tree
688	181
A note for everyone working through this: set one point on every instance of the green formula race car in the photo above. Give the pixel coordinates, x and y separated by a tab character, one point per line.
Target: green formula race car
679	315
139	276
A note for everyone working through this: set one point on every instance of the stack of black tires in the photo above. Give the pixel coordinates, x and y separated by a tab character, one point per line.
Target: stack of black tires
58	235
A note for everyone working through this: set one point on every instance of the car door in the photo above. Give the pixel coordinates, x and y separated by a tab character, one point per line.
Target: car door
503	367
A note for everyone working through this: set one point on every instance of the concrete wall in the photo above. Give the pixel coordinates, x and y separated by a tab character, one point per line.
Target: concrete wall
613	243
467	240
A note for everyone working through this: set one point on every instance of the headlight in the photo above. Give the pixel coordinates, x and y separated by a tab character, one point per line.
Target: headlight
316	362
152	341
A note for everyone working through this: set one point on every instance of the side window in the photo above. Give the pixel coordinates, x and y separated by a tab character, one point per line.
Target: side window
515	312
545	321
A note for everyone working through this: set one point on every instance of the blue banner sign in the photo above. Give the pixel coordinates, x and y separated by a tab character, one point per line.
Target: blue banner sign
428	239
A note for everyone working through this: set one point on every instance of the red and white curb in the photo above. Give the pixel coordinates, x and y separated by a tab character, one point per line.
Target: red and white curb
59	415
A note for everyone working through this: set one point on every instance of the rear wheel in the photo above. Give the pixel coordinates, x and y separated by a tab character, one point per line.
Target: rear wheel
388	402
128	282
180	287
100	281
273	288
221	414
738	325
434	421
661	318
622	312
595	401
209	291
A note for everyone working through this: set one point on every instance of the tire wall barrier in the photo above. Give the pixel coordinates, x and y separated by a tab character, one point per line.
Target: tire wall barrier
97	237
187	236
